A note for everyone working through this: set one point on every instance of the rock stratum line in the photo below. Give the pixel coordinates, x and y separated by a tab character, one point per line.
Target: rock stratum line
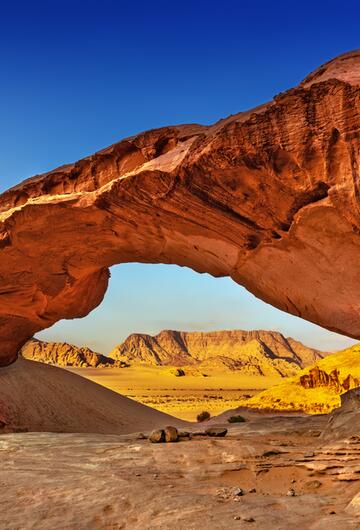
269	197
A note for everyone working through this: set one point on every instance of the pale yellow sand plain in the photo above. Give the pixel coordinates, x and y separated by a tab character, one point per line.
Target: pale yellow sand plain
183	397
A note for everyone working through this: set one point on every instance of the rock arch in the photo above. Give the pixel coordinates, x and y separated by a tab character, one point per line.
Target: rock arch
269	197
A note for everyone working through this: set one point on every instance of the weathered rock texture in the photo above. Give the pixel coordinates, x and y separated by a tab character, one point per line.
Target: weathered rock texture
269	197
316	389
92	481
319	378
258	352
64	354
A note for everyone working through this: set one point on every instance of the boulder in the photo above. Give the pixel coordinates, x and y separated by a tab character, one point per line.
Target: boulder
218	432
157	436
171	434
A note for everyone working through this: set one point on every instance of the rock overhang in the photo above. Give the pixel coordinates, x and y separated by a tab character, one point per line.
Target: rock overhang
269	198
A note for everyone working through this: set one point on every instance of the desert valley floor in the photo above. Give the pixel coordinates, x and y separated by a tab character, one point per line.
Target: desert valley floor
272	471
183	397
246	480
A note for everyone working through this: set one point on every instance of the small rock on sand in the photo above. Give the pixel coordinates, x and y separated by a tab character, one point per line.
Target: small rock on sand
141	436
171	434
195	434
238	492
272	452
157	436
291	492
219	432
184	434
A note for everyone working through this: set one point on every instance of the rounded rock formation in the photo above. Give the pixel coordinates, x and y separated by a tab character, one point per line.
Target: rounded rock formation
157	436
171	434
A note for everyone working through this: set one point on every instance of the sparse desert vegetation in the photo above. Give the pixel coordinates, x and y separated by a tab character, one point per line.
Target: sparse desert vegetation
203	416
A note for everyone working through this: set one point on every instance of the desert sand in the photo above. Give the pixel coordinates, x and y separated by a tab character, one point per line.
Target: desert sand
317	388
38	397
271	471
91	481
183	397
268	197
184	373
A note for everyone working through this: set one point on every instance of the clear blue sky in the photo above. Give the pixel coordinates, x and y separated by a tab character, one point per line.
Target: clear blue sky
78	76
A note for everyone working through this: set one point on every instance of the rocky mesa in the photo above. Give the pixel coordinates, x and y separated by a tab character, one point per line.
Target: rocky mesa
64	354
258	352
269	197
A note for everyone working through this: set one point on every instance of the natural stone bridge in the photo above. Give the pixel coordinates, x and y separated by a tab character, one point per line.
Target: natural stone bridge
269	197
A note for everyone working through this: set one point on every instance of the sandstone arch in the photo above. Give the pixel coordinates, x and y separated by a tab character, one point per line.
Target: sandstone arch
269	197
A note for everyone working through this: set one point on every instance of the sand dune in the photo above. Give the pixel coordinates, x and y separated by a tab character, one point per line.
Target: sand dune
316	389
39	397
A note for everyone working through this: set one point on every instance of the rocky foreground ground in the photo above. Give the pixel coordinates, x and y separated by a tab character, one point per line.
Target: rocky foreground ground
270	472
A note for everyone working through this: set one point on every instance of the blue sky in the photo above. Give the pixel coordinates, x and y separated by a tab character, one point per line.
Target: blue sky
78	76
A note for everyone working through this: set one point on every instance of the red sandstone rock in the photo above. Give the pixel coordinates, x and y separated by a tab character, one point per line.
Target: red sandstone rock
269	197
320	378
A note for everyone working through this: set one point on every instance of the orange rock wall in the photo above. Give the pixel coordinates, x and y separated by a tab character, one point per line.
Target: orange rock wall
269	197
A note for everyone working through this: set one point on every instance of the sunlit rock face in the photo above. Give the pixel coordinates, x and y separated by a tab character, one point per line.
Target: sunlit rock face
269	197
64	354
258	352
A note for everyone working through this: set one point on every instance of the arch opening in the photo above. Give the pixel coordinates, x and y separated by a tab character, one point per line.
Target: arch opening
267	197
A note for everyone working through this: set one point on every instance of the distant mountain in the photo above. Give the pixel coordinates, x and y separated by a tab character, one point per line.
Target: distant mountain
63	354
317	388
261	353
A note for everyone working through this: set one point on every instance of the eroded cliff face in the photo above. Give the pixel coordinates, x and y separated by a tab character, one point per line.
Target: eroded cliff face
64	354
269	197
258	352
317	378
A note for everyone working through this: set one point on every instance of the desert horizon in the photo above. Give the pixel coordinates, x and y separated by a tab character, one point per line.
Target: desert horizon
165	372
234	367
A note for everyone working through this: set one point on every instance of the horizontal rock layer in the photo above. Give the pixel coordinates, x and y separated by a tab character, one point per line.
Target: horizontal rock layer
269	197
263	353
